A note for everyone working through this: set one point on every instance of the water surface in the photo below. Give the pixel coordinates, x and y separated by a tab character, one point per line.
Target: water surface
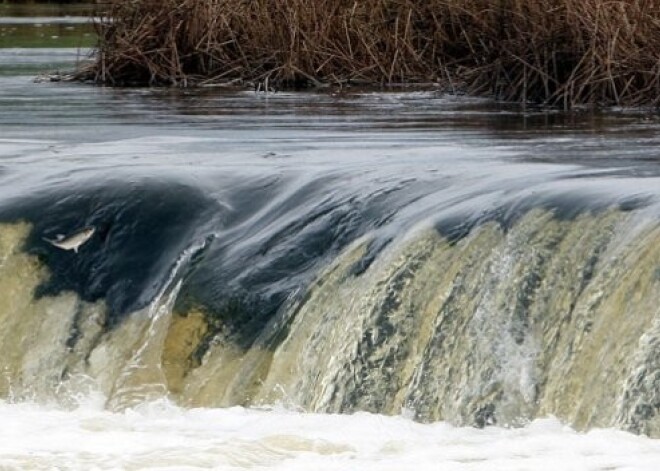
46	25
390	256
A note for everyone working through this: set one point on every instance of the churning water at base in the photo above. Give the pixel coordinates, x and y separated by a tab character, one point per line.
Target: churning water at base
421	264
159	436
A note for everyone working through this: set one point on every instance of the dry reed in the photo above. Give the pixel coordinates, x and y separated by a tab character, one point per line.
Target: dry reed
553	52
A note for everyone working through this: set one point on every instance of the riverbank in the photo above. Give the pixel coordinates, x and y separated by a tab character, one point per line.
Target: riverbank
556	53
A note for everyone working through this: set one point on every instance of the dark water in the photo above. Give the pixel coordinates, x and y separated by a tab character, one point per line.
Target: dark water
279	183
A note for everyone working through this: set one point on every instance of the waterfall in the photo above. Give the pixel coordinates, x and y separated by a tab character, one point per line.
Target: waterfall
548	315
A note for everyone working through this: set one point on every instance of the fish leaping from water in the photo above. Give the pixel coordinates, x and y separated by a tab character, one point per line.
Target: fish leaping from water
73	241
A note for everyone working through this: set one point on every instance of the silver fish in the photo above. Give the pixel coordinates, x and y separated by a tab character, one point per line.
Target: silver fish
73	241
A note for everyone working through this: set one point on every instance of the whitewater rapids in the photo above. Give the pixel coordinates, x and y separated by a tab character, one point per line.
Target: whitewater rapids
161	436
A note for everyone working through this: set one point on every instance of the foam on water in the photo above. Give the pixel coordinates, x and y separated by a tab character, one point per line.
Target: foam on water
159	435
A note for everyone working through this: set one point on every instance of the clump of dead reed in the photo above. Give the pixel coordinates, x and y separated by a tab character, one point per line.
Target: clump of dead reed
553	52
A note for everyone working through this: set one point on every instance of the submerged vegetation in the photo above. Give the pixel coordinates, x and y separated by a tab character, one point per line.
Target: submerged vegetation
553	52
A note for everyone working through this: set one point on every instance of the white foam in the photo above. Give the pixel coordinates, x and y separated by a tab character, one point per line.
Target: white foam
160	436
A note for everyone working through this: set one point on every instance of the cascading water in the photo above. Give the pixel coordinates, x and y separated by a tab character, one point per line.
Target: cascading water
410	255
328	303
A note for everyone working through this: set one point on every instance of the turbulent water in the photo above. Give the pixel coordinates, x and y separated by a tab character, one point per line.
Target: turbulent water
260	261
159	436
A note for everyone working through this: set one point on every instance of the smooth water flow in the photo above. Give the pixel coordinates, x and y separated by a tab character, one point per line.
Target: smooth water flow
260	262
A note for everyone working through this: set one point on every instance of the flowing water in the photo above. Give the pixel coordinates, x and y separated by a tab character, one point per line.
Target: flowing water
349	280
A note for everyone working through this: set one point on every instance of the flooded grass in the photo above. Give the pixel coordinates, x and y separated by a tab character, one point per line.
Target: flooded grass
40	35
558	52
32	9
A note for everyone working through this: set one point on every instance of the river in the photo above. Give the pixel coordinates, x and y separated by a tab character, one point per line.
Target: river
343	279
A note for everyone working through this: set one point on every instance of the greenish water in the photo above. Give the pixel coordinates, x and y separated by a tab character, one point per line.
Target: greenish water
47	26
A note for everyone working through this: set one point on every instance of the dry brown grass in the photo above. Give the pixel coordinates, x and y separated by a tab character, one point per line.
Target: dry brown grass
554	52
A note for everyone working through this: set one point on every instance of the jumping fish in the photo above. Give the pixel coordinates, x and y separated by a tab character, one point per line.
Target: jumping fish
73	241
